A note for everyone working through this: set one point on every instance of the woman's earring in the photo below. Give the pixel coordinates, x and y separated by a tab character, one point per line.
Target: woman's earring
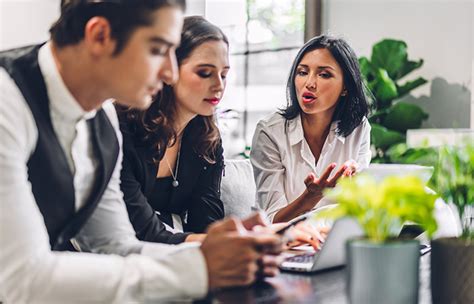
344	93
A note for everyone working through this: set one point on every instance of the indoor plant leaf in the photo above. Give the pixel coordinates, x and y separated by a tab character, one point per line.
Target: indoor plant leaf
382	207
455	180
409	67
410	85
391	55
383	138
378	116
388	63
403	116
385	89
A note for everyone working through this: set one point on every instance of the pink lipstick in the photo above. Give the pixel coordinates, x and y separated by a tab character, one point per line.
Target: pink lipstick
213	101
308	97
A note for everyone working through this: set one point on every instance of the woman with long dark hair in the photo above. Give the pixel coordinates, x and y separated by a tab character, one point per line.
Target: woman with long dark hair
321	135
173	156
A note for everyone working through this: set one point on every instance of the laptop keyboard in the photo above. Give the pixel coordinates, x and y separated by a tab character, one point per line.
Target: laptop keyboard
301	258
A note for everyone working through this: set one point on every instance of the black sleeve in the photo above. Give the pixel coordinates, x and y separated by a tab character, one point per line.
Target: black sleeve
206	206
147	225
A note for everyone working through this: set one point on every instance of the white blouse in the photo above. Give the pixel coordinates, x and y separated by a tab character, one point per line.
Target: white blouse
281	159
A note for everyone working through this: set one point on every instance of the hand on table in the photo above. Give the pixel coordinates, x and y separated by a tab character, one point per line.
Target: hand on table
303	233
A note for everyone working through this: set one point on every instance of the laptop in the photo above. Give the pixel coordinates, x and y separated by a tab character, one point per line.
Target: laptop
332	253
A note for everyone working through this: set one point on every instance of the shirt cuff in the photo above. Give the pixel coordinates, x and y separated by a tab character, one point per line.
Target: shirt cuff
186	264
178	238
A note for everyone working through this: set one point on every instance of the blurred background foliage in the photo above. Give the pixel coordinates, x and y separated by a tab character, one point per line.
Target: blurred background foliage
384	75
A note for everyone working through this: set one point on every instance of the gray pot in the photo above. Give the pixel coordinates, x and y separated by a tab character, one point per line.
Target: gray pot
383	273
452	271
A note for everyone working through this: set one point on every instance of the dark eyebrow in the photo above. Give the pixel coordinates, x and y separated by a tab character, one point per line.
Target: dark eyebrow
161	41
208	65
324	67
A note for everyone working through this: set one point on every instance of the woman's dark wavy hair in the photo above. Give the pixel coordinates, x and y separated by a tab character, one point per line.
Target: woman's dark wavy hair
352	108
154	126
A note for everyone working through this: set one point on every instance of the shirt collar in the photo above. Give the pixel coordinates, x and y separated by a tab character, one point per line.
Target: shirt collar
295	128
61	100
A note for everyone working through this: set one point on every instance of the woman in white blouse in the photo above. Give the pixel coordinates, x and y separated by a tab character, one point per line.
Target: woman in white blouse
321	135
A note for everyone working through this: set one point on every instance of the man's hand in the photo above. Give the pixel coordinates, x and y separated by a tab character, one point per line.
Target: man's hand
235	255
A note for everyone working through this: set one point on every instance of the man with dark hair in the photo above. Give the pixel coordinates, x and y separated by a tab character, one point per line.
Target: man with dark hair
60	161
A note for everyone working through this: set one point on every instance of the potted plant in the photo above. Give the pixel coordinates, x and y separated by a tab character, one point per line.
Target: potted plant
383	268
383	74
452	259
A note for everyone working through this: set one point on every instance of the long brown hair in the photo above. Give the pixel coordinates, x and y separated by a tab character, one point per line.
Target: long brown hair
154	126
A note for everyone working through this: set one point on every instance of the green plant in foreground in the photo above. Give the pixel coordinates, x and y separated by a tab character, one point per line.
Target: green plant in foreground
382	208
455	181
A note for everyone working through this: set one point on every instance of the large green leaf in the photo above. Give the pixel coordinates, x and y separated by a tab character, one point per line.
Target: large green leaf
411	85
378	116
408	67
403	116
383	138
385	89
390	55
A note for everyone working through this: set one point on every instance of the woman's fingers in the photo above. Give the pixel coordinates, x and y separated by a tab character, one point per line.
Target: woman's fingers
302	239
309	179
348	172
306	233
333	180
323	178
324	230
315	233
349	168
352	164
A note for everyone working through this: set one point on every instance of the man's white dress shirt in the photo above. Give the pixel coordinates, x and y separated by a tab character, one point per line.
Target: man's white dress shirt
29	271
281	159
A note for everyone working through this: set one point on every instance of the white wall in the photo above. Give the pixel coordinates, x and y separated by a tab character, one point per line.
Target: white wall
439	31
24	22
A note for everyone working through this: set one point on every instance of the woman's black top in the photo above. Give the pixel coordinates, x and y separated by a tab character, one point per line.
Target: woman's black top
196	199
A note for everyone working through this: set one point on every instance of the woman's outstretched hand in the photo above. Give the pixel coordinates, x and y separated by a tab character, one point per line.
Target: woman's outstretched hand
316	185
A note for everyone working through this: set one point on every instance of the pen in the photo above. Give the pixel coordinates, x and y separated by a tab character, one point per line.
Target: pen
290	224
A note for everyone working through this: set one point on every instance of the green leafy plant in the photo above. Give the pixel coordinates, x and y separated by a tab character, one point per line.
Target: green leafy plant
455	181
390	118
382	208
423	156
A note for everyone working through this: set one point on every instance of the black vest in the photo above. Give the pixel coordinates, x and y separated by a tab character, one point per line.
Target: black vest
48	170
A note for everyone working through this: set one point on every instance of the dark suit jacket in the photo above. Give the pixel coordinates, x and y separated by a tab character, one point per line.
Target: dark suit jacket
198	192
